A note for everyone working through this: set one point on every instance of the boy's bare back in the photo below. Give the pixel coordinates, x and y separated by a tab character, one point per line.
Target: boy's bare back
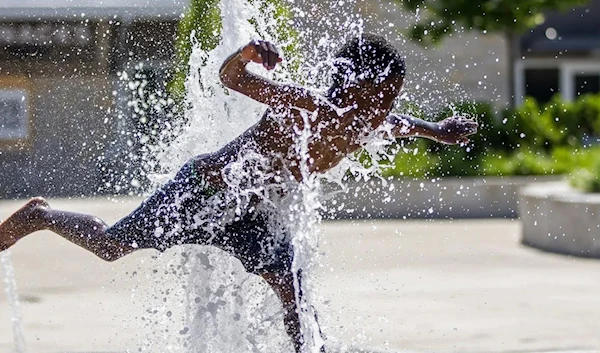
337	127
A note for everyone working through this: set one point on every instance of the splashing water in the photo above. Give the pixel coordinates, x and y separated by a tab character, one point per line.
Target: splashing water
227	309
304	215
13	300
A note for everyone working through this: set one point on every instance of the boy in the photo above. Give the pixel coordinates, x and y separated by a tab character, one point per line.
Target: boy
194	208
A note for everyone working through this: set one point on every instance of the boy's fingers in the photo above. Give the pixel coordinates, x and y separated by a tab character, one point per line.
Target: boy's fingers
272	59
264	46
473	128
267	54
261	50
469	127
273	55
264	52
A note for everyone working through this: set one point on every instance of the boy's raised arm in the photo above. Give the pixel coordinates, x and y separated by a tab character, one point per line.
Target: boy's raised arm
453	130
234	75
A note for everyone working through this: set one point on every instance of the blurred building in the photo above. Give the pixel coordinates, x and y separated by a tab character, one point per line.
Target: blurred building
561	55
66	69
62	103
467	66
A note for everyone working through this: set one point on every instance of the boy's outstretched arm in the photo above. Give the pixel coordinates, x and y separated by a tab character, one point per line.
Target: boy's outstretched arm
453	130
234	75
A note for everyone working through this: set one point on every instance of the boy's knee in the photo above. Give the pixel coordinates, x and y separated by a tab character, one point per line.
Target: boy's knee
114	252
109	257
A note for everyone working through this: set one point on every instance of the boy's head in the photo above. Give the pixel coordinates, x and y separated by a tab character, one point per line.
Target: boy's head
367	59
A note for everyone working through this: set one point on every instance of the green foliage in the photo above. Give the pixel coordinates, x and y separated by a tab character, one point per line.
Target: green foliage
202	24
203	19
587	179
557	123
443	17
529	140
529	161
286	36
585	169
413	160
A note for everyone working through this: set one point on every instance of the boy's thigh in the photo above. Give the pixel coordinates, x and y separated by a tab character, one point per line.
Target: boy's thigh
261	247
167	217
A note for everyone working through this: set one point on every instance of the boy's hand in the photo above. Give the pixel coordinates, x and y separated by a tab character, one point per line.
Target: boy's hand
454	130
262	52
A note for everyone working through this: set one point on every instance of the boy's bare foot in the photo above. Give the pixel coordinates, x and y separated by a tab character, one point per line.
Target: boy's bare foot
26	220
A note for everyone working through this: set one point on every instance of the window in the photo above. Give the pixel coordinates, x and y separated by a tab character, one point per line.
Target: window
14	115
587	83
542	84
542	78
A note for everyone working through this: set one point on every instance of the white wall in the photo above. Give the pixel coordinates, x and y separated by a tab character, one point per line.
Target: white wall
467	65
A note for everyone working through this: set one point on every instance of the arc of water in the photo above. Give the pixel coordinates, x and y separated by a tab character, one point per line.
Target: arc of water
13	300
221	305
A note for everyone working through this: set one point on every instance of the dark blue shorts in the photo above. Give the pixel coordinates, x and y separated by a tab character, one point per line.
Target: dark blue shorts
184	211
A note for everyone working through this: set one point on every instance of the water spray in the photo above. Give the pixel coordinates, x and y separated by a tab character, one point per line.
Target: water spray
13	300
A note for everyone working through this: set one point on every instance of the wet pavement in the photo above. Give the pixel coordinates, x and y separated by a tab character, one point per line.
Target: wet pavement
398	286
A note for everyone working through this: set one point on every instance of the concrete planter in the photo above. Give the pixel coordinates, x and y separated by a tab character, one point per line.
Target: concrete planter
557	218
417	198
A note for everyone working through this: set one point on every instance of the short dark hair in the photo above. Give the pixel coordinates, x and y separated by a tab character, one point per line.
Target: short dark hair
367	57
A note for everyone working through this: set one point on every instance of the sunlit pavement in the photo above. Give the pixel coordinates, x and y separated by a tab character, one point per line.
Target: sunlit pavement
400	286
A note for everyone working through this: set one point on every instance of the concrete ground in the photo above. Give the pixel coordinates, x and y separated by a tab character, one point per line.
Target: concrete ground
400	286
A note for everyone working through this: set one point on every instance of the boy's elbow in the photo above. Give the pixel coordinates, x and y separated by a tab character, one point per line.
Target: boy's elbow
229	81
224	79
233	82
229	78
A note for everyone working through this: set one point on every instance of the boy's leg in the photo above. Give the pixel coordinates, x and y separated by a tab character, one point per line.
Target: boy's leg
87	231
263	245
168	208
283	286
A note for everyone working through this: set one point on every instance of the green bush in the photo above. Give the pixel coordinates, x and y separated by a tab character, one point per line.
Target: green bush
585	173
412	160
588	112
528	140
203	20
526	161
554	124
586	179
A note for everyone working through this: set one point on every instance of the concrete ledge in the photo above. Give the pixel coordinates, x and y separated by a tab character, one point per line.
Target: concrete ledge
495	197
559	219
